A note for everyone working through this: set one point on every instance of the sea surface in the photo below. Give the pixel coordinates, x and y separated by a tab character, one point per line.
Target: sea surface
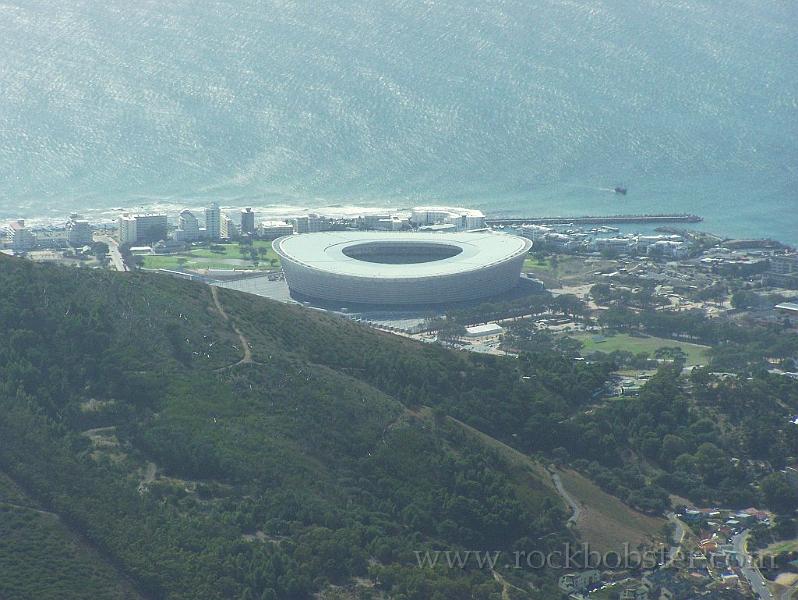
517	107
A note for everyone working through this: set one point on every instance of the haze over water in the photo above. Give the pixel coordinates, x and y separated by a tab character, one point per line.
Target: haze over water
527	107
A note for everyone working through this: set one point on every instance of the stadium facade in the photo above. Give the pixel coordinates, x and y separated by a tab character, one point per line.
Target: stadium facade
400	268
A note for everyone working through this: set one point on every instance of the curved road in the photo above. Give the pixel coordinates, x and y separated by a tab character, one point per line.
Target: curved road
577	510
749	569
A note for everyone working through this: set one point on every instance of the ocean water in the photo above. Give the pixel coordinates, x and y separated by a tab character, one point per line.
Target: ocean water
529	107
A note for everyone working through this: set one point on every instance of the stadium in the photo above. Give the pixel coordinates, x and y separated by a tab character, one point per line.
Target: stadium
400	268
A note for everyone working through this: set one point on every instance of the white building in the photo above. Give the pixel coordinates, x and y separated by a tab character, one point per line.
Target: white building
312	223
384	222
484	331
668	248
127	229
78	231
536	232
579	582
187	227
620	245
146	227
228	229
22	239
213	221
271	230
464	219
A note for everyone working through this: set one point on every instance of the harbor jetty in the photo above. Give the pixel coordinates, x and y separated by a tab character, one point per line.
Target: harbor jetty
596	220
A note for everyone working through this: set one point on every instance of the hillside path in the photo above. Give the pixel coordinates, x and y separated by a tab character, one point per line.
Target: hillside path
247	359
577	510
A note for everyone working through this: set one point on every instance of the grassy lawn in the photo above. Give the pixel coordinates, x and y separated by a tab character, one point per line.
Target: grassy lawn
606	523
782	547
206	258
696	354
532	264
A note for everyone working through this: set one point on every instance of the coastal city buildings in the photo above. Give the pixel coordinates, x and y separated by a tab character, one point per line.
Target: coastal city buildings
783	271
247	222
271	230
311	223
142	228
385	222
127	229
187	227
213	221
463	219
78	231
21	238
228	229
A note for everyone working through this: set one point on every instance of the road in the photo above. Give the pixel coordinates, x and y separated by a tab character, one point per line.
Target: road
679	533
577	510
113	252
749	569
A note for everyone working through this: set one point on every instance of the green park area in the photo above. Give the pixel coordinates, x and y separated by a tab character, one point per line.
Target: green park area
259	255
696	354
534	264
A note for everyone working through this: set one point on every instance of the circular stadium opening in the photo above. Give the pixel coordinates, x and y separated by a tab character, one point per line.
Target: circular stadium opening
401	253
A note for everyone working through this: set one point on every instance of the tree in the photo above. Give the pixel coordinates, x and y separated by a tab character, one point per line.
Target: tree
672	447
100	250
744	299
779	495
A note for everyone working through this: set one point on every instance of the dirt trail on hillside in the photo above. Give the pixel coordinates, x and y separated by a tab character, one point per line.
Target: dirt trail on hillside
247	359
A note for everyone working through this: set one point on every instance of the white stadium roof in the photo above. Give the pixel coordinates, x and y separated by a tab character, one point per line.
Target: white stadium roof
327	252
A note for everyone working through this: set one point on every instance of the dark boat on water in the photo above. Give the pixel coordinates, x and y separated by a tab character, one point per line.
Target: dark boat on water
620	190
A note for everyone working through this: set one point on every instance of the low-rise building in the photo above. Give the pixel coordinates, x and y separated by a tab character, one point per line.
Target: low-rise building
783	271
464	219
580	581
21	237
271	230
312	223
634	592
484	331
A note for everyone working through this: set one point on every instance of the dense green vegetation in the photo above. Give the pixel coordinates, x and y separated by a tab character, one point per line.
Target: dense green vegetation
278	478
327	459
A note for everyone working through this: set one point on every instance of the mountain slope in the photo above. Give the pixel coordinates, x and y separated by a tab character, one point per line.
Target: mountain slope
307	467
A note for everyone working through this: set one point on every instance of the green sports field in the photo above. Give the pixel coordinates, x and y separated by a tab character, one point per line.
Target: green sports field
222	256
696	354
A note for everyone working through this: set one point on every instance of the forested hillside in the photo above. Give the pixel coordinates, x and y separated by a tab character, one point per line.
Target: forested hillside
320	460
182	441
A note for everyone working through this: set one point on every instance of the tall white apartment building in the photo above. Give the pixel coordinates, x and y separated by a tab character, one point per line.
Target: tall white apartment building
127	229
78	231
228	229
213	221
187	227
